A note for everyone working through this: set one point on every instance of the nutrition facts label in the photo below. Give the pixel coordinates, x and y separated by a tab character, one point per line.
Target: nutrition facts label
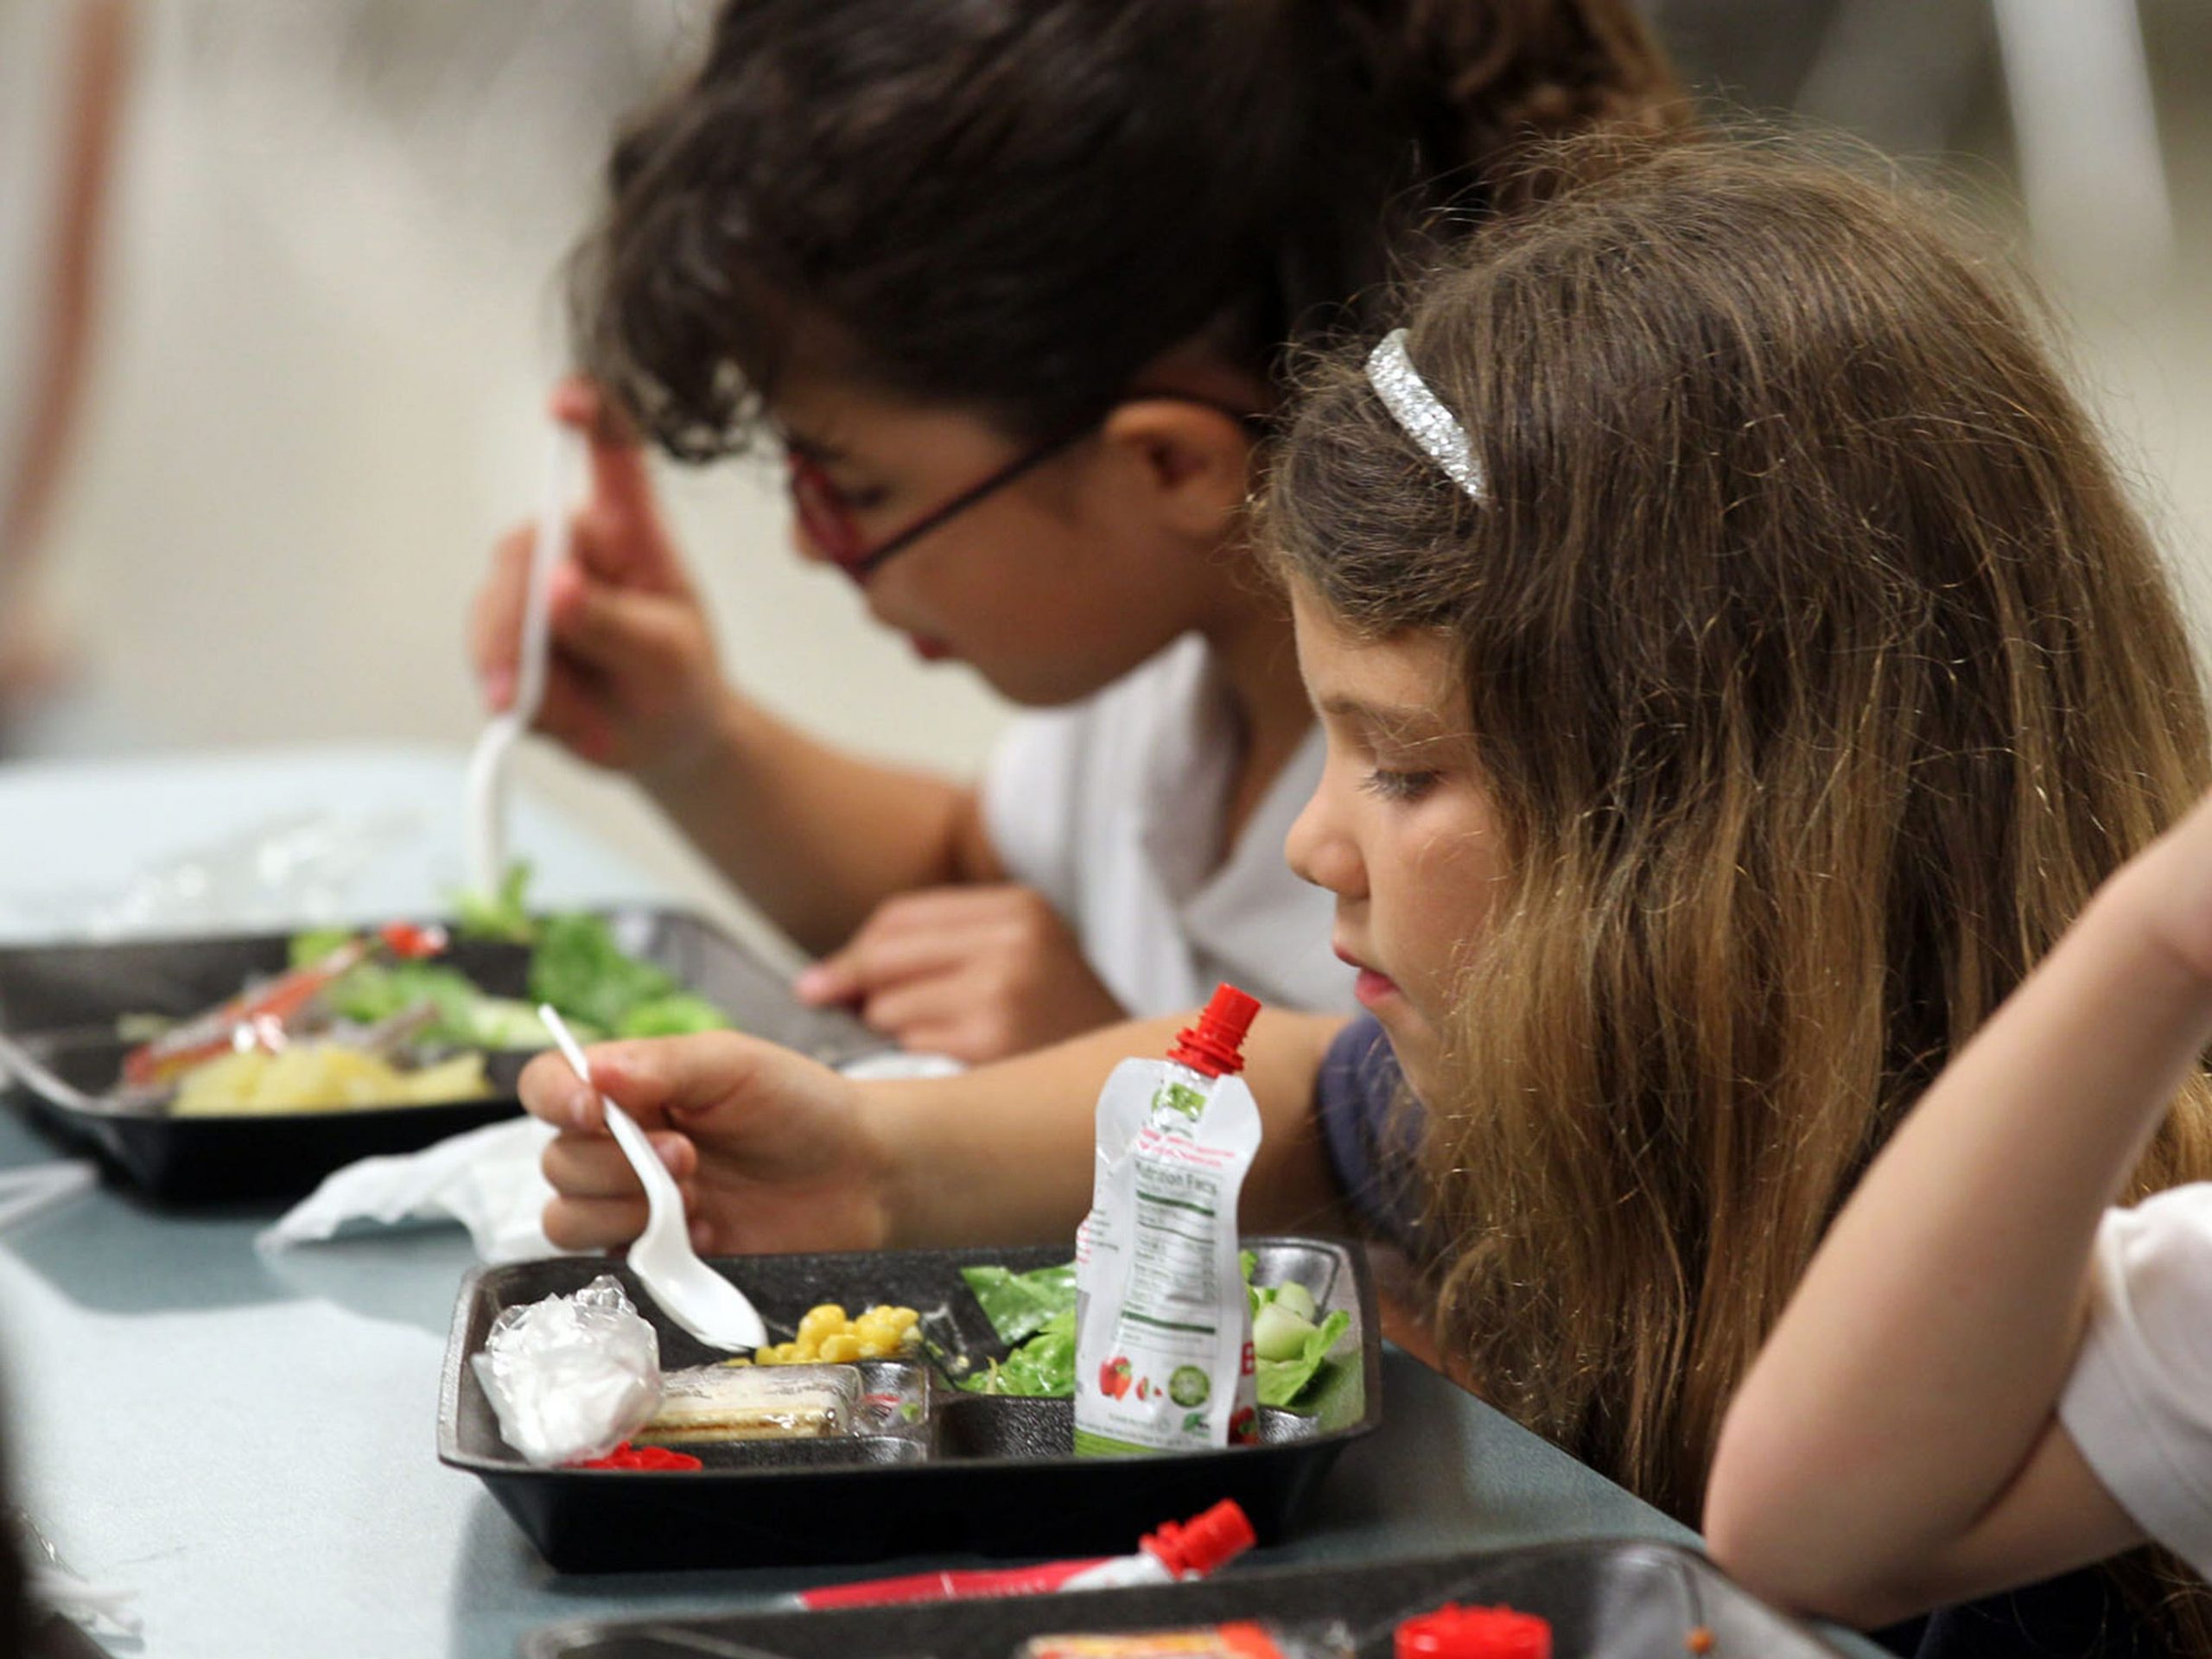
1173	1285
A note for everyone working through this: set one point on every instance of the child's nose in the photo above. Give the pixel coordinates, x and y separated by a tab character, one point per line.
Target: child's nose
1319	853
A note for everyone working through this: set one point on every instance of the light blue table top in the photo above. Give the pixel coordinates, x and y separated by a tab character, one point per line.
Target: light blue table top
248	1440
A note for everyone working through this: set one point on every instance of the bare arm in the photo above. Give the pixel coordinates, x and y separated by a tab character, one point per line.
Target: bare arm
1895	1444
1008	1148
776	1152
818	837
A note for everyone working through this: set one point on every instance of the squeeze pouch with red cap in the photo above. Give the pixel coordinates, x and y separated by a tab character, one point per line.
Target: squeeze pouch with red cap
1163	1358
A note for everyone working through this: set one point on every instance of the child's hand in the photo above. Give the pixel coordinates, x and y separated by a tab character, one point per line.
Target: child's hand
975	972
770	1149
633	682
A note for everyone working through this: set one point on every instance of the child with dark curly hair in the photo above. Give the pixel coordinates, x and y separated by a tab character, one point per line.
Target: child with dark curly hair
1011	285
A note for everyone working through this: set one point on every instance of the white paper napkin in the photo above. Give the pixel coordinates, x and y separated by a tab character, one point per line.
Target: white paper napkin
487	1179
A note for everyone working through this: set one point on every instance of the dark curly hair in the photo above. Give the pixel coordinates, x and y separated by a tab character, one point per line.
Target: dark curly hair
1012	205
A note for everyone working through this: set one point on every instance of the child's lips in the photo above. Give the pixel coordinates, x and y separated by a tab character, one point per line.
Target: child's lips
929	650
1371	986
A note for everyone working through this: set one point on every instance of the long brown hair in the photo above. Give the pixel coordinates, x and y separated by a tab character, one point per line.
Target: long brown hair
1820	670
1015	206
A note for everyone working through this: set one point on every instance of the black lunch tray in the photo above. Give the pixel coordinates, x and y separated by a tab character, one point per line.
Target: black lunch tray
61	1003
1606	1599
993	1475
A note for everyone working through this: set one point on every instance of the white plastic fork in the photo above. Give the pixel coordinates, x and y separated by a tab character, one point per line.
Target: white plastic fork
488	766
689	1291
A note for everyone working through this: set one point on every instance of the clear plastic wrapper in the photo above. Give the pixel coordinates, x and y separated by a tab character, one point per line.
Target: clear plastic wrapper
894	1399
571	1377
279	872
711	1403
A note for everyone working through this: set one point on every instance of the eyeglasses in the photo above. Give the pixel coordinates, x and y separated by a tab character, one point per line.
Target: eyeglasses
827	517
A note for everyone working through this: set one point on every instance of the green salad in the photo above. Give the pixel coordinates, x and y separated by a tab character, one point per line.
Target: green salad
574	964
1035	1311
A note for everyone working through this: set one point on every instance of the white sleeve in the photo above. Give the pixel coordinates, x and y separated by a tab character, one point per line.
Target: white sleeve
1031	795
2138	1403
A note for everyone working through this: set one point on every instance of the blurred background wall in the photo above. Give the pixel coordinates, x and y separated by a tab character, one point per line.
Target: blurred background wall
328	318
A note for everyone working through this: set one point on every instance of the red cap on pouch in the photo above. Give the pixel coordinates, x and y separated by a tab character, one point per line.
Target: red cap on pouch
1214	1046
1203	1542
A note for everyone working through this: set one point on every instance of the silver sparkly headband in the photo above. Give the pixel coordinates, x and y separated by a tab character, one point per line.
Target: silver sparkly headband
1426	421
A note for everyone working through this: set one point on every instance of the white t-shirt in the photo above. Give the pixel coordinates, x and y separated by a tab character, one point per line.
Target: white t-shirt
1113	809
2139	1402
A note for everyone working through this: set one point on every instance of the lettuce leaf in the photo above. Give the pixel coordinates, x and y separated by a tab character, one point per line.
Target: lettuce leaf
579	968
1280	1382
503	916
377	990
679	1014
1042	1368
1019	1304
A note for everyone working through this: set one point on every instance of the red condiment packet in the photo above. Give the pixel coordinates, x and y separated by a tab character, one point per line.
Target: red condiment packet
627	1456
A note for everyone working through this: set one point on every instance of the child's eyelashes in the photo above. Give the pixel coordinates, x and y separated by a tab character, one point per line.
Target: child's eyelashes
1397	785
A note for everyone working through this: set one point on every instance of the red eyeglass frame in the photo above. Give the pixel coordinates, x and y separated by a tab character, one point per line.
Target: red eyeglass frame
828	519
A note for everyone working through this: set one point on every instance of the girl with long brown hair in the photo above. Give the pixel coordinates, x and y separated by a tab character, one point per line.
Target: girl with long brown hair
1738	662
1818	669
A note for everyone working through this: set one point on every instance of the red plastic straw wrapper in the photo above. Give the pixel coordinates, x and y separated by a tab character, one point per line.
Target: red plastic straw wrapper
1190	1551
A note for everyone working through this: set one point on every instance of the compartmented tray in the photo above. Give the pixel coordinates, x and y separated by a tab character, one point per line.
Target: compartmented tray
992	1474
61	1003
1605	1599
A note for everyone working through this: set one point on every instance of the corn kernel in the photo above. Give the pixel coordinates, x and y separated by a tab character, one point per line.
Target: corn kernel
829	1336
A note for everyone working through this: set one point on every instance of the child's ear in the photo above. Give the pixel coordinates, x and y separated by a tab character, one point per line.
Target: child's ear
1193	461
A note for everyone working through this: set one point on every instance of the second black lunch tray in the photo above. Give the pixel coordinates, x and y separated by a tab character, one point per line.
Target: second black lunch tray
61	1003
990	1474
1605	1599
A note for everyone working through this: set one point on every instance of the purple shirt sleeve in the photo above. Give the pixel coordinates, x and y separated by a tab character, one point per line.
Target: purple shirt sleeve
1370	1135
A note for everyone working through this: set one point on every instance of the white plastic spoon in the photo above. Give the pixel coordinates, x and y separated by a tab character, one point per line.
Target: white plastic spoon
690	1292
487	768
